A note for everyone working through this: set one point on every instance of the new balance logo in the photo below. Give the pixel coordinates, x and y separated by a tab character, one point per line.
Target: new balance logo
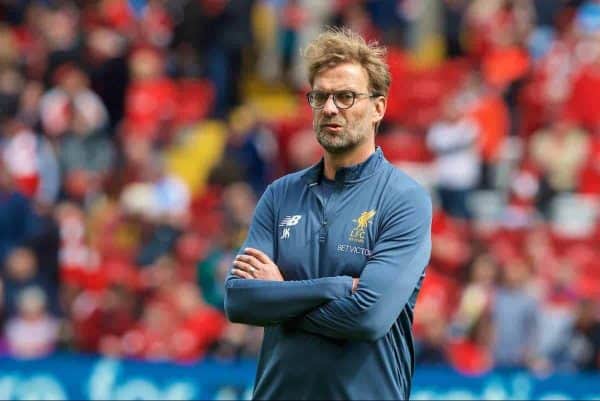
289	221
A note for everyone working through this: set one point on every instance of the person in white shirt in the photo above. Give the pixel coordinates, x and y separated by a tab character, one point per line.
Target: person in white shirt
33	332
453	140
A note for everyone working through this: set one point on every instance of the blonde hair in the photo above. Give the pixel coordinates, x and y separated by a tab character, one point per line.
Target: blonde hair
341	45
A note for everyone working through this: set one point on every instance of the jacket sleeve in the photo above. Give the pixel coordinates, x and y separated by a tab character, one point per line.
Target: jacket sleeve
388	280
261	302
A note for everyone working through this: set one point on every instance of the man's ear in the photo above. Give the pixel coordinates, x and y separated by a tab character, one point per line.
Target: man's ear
380	106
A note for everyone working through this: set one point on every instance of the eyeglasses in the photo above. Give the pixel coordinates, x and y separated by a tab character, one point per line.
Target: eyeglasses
342	99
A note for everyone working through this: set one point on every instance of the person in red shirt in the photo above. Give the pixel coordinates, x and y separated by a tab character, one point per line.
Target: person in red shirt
472	354
150	102
583	101
589	178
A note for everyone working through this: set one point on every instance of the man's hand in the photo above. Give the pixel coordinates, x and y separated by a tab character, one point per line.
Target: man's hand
354	284
254	264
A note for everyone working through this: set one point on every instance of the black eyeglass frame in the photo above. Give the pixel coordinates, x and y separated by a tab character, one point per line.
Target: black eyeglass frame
355	95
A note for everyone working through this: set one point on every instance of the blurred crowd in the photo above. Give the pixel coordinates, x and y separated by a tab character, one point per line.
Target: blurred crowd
136	137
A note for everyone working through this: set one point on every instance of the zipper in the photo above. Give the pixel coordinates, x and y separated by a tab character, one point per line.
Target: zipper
323	232
323	206
324	229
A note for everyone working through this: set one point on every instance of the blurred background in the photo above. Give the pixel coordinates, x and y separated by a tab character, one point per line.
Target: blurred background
136	137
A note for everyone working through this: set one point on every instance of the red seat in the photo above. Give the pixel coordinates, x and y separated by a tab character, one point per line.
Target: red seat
195	100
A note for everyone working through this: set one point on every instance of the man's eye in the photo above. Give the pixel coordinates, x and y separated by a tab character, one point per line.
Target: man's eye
318	97
345	96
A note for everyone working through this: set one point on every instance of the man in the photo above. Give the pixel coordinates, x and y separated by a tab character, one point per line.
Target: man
336	254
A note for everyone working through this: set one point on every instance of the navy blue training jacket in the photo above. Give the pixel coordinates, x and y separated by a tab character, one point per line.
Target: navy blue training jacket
321	340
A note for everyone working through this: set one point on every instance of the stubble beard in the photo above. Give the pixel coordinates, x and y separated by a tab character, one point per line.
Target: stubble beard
346	140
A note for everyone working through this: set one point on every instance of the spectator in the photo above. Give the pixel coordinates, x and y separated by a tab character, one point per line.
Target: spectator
585	84
21	270
32	333
15	211
59	27
239	202
589	180
354	16
85	154
82	307
31	161
200	325
451	250
431	347
473	354
150	99
151	338
407	150
515	316
250	151
78	262
484	104
453	140
108	70
168	197
559	152
453	11
43	237
293	16
161	201
584	341
230	23
28	156
211	273
556	323
478	294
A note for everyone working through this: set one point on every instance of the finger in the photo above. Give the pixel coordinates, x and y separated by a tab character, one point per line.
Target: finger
245	266
241	273
260	255
250	260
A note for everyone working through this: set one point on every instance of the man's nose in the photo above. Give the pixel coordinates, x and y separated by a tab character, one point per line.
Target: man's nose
330	108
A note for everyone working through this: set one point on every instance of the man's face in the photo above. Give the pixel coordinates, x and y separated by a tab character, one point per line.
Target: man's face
340	130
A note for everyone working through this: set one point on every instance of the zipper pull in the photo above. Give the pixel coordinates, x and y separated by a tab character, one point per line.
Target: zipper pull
323	232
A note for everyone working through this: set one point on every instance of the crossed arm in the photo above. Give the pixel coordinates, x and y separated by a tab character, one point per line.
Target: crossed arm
362	308
255	292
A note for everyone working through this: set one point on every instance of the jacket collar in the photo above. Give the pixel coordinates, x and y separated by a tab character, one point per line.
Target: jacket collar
347	175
